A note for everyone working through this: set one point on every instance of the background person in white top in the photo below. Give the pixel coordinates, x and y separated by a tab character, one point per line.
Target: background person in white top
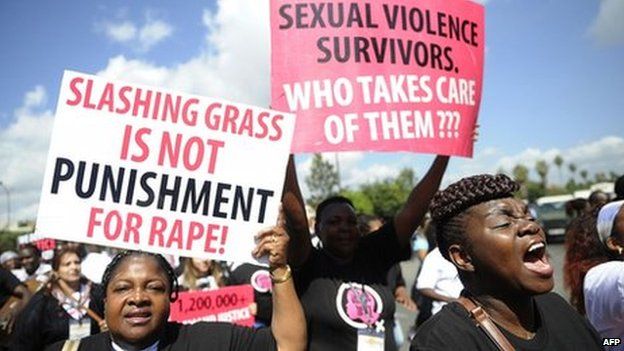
32	268
603	286
438	280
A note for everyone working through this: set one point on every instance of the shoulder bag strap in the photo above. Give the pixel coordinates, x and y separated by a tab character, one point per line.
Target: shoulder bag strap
485	323
71	345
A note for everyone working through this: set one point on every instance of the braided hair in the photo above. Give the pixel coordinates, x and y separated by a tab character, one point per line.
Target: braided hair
174	288
448	207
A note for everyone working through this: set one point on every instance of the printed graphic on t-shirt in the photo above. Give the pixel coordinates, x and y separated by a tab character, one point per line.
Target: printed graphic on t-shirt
261	281
358	305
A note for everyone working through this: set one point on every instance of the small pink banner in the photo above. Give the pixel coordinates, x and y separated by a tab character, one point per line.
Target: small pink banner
229	304
400	75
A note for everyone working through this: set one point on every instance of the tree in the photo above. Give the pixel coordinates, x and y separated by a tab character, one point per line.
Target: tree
584	174
558	161
322	181
389	195
361	201
541	167
572	168
613	176
600	177
534	191
521	175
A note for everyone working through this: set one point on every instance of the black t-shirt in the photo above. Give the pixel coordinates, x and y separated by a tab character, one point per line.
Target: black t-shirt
560	328
44	321
8	283
260	280
333	295
199	336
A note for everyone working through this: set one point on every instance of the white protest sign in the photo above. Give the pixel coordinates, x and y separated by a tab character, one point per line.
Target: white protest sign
138	167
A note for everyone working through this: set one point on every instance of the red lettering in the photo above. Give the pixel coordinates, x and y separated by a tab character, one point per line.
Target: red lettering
73	86
229	119
124	99
196	230
176	234
210	238
156	231
247	123
87	99
263	126
199	155
168	149
133	223
112	235
276	127
216	145
93	221
139	138
107	98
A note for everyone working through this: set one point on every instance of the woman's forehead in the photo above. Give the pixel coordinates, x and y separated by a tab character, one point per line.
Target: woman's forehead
337	209
138	265
497	206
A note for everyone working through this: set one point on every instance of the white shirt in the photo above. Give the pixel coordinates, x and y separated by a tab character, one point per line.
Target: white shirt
40	273
440	275
603	288
153	347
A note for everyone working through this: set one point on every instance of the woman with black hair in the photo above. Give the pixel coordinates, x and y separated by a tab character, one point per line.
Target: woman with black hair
68	307
343	285
500	253
139	287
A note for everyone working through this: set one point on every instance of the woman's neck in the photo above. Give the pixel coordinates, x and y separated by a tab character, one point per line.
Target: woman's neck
338	259
72	286
515	313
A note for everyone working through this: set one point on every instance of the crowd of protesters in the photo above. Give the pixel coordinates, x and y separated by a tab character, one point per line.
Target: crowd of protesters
484	281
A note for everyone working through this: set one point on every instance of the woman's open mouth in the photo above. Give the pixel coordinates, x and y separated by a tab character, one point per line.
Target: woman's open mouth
536	260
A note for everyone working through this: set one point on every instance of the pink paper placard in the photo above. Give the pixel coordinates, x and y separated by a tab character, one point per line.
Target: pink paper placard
229	304
386	76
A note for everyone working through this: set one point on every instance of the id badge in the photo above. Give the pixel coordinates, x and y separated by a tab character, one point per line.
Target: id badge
79	329
370	340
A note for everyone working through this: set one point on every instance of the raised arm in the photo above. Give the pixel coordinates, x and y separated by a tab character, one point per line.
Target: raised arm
296	219
288	324
417	204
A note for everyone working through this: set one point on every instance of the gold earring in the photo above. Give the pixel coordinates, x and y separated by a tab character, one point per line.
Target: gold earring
620	250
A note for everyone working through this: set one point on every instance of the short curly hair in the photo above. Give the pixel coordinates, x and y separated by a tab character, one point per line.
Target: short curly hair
449	205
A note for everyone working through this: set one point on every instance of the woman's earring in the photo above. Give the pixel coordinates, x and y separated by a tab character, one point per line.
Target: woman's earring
620	250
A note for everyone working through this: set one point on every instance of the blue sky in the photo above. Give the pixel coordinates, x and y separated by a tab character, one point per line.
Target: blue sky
554	77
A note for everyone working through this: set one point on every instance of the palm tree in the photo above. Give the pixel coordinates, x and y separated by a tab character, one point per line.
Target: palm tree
541	167
558	161
583	174
521	175
572	168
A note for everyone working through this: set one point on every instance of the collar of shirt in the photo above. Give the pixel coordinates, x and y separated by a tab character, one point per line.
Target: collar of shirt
152	347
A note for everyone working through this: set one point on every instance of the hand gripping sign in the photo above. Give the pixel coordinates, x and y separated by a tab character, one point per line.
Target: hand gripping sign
230	304
139	167
400	75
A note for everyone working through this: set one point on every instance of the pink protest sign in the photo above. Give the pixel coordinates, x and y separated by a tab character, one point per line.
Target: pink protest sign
230	304
401	75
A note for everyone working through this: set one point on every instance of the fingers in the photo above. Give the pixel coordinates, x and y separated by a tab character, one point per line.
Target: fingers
475	133
273	243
